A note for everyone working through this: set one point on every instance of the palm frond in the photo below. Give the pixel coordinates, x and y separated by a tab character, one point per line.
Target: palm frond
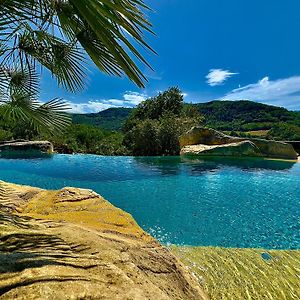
107	30
23	79
53	116
19	101
113	18
65	60
49	117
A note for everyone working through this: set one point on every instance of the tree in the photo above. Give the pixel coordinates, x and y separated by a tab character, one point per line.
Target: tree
167	102
62	36
154	127
168	135
143	139
170	101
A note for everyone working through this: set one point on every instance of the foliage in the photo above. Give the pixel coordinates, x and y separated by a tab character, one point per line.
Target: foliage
245	115
75	139
89	139
19	102
142	139
285	132
168	135
170	101
5	135
154	127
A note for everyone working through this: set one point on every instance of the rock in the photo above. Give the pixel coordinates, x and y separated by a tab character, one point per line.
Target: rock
244	148
73	244
208	136
205	136
295	144
26	146
275	149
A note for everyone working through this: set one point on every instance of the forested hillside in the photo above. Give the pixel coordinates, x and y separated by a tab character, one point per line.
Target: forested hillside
111	119
245	115
238	117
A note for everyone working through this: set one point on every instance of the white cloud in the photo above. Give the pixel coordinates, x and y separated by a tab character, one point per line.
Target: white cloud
283	92
130	99
218	76
89	107
134	98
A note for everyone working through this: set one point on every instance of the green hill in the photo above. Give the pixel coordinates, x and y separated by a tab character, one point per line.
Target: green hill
241	116
110	119
236	117
245	115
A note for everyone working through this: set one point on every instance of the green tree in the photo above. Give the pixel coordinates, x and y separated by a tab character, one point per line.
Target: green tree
168	102
155	126
143	139
168	135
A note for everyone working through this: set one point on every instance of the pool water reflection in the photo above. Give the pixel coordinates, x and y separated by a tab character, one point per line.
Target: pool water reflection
231	203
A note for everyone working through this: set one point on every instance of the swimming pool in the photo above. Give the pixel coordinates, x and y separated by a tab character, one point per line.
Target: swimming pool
217	202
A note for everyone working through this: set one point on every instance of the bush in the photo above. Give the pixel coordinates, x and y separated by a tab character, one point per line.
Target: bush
168	136
285	132
5	135
143	138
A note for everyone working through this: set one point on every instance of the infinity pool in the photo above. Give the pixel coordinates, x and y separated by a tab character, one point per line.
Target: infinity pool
218	202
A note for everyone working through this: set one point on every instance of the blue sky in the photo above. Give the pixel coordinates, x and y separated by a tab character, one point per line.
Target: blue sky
210	49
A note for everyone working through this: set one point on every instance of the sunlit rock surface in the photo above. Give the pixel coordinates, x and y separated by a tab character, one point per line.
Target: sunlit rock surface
73	244
203	136
239	274
244	148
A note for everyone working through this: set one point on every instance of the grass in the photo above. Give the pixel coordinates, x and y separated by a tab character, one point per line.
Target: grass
258	133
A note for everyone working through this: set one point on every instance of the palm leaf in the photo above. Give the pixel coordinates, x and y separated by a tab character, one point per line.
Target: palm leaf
19	101
111	19
104	29
53	116
50	117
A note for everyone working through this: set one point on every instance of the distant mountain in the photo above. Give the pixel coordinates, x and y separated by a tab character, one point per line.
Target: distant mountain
245	115
111	119
222	115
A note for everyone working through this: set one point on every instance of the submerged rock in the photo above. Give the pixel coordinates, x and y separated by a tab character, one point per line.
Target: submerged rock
239	274
73	244
232	146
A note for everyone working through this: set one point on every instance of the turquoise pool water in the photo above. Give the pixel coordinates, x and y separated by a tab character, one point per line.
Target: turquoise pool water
230	203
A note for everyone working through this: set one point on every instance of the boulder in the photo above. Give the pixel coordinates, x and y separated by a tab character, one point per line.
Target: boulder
73	244
31	146
210	137
205	136
244	148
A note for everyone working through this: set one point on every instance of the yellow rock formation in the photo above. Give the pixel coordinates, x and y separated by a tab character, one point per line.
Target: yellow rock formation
73	244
